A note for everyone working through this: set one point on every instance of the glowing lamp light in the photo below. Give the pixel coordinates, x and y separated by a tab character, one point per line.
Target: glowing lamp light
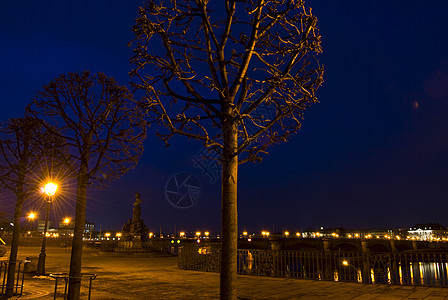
66	221
50	188
151	235
297	234
206	233
286	233
182	234
198	233
31	216
345	263
245	233
118	234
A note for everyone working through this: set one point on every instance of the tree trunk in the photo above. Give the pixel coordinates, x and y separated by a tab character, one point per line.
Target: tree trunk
15	241
74	287
229	215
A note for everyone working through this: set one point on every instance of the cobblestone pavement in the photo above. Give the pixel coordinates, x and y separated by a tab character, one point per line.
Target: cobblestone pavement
159	278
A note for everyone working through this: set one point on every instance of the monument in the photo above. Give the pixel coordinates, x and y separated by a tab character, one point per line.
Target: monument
134	231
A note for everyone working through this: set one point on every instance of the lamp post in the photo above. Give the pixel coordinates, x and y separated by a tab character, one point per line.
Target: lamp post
66	223
358	271
50	190
31	217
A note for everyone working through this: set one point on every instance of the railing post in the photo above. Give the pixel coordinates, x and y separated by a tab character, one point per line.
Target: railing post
365	262
275	248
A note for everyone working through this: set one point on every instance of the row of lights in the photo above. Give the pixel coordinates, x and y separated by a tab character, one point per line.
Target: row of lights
33	216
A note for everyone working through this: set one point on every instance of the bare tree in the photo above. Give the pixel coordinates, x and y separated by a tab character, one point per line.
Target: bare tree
104	128
26	148
211	69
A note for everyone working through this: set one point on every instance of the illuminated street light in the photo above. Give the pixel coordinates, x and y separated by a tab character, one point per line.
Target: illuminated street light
182	234
50	190
66	223
31	216
286	233
358	271
298	234
206	233
198	233
245	233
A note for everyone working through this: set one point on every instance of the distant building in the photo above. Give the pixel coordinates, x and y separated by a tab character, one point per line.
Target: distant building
427	232
41	225
89	230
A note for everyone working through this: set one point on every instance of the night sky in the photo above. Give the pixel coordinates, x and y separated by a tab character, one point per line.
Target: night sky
373	153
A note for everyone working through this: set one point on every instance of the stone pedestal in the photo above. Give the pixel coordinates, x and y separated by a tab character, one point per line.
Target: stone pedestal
134	231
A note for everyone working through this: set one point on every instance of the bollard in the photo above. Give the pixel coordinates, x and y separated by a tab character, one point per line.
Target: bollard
31	266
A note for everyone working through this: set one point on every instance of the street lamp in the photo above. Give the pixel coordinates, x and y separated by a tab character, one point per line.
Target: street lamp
31	217
50	190
66	223
358	271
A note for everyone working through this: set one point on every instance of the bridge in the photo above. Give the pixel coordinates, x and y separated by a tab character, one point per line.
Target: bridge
340	244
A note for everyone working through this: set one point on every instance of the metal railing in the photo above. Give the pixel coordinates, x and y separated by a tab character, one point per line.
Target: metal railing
416	268
19	277
66	278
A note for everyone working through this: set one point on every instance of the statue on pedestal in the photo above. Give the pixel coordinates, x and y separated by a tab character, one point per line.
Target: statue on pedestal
134	229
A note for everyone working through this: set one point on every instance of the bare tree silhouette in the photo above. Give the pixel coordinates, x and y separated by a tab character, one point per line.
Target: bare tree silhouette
27	151
211	70
104	128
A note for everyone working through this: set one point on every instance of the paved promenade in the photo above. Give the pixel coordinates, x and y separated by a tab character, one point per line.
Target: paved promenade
159	278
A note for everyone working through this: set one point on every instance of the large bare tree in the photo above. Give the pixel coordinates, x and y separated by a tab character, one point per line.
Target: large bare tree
211	69
104	128
27	152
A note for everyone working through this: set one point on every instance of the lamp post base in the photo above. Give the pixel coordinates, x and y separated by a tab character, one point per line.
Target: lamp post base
41	264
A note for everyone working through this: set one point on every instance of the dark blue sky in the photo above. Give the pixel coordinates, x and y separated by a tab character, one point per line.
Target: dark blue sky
373	153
